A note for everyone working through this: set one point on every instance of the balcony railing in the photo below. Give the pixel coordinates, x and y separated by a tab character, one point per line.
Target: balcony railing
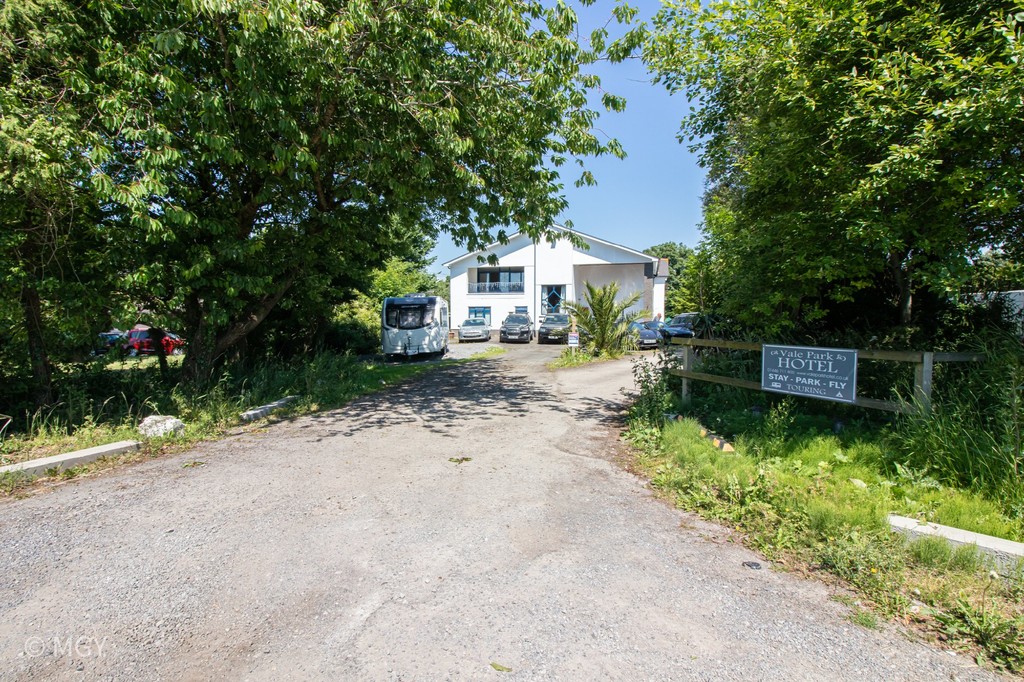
496	287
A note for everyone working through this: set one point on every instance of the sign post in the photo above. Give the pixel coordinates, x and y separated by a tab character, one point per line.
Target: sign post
824	373
574	337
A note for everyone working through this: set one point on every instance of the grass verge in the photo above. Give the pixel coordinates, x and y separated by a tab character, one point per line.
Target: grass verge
818	504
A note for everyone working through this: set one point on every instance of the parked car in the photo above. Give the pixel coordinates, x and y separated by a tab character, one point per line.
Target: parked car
644	336
660	327
681	326
139	342
109	340
555	327
474	329
516	327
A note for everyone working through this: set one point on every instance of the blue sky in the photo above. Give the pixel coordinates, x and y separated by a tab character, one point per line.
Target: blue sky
651	197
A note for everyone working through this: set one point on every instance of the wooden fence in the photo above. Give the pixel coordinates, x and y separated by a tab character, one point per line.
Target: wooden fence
923	361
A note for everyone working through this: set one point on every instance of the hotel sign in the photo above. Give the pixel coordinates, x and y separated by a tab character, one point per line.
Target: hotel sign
825	373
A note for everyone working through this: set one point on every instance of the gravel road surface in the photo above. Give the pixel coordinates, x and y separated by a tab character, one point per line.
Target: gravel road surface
473	524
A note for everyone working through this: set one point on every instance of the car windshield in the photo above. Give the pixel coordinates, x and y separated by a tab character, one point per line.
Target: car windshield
682	320
636	326
477	322
654	324
517	319
556	319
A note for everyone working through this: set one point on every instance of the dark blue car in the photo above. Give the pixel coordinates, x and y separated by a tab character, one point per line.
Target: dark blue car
680	326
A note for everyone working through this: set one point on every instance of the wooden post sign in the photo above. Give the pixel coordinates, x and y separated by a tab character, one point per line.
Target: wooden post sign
824	373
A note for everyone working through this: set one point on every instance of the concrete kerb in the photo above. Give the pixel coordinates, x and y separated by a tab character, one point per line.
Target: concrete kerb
37	467
1006	555
265	410
718	442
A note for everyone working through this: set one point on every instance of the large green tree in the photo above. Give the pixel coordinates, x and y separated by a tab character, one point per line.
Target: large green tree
274	143
852	146
249	155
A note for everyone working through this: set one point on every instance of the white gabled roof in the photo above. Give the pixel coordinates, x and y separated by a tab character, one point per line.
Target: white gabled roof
643	257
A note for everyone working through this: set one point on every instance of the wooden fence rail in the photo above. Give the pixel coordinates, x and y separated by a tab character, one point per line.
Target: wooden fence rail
923	361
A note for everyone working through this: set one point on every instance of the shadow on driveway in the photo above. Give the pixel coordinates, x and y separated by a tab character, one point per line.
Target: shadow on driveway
452	395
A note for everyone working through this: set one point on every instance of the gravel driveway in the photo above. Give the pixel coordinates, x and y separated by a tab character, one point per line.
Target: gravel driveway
471	525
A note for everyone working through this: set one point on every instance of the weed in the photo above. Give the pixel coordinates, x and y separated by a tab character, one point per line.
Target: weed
1000	639
863	618
930	551
652	400
774	429
973	436
573	357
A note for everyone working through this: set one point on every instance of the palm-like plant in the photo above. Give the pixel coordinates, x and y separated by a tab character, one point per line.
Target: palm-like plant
603	319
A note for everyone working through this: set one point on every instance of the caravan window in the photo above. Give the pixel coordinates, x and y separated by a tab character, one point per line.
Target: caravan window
409	316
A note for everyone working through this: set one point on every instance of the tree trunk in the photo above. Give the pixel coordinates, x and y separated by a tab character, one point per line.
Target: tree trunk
204	350
251	318
157	336
198	365
906	297
42	386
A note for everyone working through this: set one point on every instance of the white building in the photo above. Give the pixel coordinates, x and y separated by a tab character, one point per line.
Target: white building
536	278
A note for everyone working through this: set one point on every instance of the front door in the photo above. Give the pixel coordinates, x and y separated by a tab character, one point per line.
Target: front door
552	296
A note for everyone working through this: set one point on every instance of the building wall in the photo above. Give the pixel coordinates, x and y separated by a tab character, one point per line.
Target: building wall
630	279
658	297
517	253
557	264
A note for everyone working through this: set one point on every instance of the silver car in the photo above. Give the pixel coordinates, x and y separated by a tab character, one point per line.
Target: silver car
474	329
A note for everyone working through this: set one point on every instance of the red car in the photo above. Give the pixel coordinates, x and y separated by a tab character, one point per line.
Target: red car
139	342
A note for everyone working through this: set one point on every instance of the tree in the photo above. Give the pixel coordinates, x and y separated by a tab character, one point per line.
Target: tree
264	150
226	159
702	274
603	318
51	240
678	294
852	148
995	271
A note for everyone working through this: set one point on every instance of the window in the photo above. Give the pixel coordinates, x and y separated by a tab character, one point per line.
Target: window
408	316
497	281
500	275
522	309
483	313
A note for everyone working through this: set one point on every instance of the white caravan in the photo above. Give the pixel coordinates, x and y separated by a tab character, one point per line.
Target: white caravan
416	324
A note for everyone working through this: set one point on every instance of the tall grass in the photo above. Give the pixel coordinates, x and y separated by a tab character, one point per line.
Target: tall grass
973	435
